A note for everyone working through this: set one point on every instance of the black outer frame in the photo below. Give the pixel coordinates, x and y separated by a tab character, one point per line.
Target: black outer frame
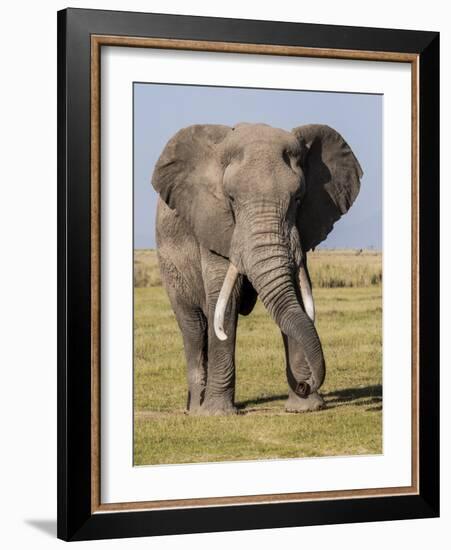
75	520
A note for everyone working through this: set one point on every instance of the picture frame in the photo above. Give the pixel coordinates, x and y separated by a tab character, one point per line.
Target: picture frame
81	36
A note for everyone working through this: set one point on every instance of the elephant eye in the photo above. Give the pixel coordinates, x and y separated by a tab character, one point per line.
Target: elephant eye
291	161
286	158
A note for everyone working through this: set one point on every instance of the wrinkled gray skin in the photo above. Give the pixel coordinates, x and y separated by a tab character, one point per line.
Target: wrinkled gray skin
256	198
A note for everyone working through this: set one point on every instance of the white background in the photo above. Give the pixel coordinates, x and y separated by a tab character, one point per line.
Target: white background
120	482
28	275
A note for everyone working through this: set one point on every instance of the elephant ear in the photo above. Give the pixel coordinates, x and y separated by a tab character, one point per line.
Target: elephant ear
188	176
332	175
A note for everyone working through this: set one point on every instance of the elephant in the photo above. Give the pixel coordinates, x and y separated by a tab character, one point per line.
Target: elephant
238	210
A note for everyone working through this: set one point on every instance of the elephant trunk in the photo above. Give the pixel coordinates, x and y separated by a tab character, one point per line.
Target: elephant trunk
273	280
267	261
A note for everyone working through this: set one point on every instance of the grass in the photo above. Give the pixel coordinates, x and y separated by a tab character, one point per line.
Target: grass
145	269
345	268
349	324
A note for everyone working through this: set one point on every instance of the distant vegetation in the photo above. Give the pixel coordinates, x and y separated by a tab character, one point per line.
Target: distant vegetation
328	268
348	298
345	268
146	271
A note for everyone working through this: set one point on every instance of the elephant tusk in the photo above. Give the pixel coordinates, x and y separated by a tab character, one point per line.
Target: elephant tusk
223	299
306	292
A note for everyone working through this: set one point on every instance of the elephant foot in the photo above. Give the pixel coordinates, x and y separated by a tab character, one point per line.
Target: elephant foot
194	401
193	409
296	404
216	407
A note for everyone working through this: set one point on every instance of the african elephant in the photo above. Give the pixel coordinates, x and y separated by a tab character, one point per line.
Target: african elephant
239	209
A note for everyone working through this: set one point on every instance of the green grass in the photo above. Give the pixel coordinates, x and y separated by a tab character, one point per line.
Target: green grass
349	325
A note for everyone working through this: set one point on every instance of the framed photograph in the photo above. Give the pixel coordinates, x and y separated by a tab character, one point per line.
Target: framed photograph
248	274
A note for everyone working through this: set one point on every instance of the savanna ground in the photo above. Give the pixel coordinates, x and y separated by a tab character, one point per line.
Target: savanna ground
347	287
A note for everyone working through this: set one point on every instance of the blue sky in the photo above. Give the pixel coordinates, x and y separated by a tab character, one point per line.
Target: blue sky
160	110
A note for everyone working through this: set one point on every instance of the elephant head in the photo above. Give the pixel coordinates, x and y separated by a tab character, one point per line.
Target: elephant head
262	197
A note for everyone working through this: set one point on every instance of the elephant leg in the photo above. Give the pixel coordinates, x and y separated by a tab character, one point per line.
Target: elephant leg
297	371
220	390
193	325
